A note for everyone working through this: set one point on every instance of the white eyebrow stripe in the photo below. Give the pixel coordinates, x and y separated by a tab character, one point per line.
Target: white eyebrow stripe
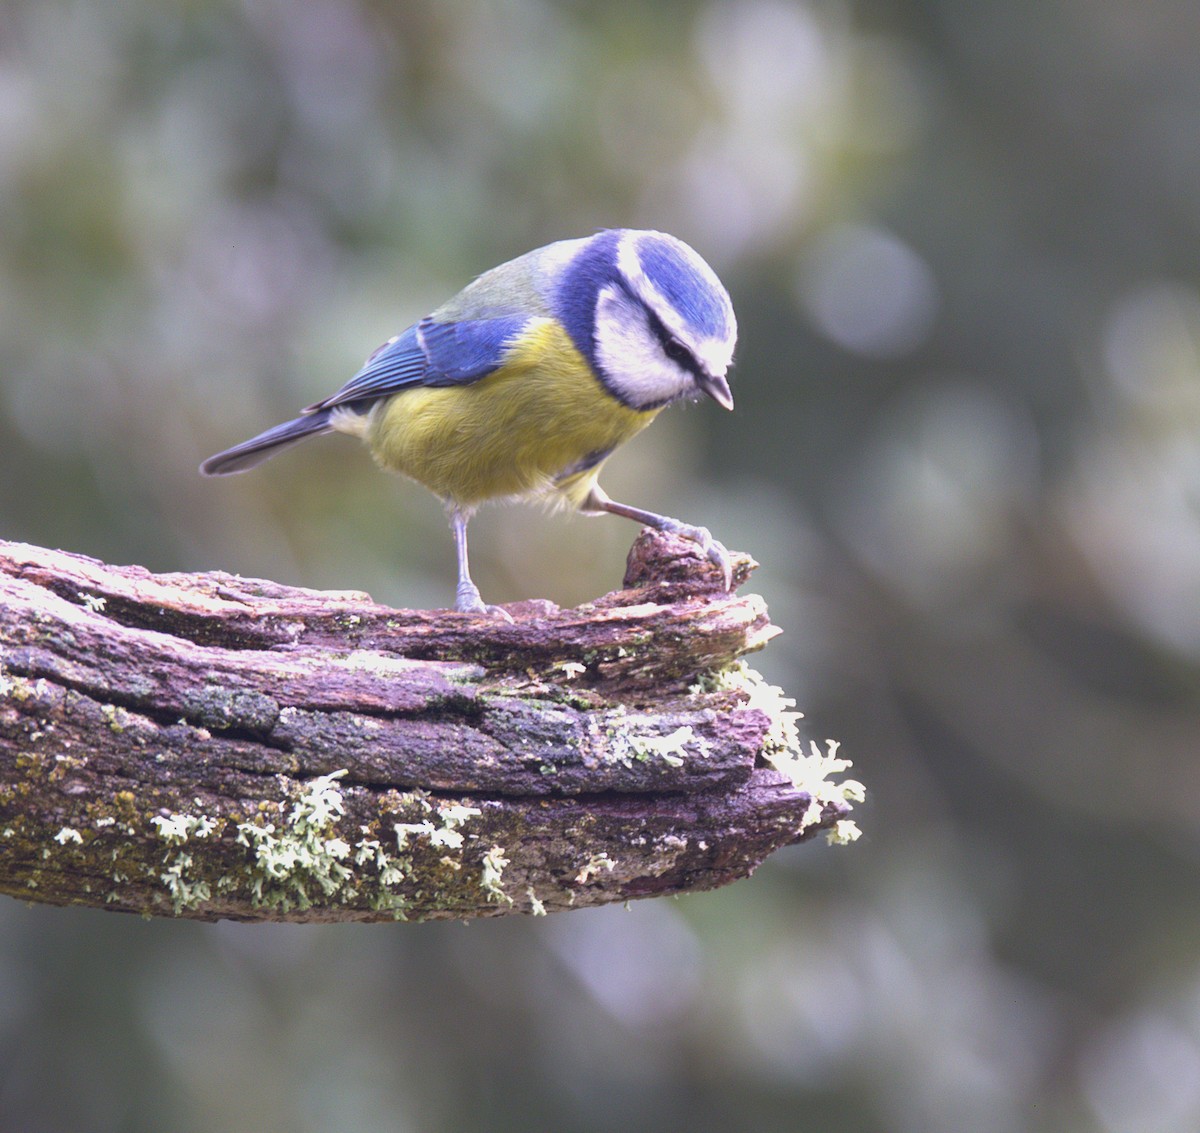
714	353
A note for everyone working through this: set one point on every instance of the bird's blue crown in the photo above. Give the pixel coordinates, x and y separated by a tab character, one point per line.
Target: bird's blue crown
676	276
660	273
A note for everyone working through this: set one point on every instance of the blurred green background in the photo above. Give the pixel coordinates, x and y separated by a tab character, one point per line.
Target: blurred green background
963	242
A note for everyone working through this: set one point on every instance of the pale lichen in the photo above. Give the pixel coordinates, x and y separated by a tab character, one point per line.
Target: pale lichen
302	852
21	689
536	907
811	769
186	890
669	748
443	832
494	863
593	866
176	829
299	855
625	746
843	831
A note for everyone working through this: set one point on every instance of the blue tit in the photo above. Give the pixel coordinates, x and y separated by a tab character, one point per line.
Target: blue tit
524	383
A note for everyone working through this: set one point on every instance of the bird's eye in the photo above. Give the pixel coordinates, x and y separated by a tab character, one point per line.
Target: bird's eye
677	352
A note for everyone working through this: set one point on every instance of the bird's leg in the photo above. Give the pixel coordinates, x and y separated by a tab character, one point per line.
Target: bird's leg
598	500
467	597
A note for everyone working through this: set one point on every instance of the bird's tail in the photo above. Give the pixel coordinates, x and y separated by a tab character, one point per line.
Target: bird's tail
257	449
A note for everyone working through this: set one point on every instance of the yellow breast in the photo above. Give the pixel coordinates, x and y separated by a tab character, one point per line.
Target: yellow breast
541	423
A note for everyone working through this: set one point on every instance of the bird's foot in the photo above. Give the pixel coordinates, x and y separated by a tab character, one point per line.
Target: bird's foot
468	601
713	551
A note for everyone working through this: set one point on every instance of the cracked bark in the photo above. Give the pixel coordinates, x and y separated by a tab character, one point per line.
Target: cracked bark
211	746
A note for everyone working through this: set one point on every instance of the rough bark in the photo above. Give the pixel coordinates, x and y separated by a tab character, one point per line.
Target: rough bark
211	746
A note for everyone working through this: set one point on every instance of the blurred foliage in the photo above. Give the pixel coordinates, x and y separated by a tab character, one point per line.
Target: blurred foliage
962	240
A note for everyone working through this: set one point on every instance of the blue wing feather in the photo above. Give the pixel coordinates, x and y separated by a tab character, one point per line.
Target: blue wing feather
431	353
464	352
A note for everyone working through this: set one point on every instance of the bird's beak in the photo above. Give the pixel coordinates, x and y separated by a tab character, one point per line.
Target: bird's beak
717	388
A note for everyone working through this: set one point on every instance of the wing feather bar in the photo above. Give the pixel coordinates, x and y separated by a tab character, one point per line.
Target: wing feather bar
431	354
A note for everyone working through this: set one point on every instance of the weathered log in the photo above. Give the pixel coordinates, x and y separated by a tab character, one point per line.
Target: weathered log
212	746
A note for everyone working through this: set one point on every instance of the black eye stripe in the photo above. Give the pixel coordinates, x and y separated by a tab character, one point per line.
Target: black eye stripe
672	347
677	352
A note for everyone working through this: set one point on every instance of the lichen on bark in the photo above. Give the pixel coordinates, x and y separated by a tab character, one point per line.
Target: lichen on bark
208	746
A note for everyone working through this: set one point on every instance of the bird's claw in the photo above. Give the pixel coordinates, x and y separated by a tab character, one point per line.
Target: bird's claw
713	551
468	601
719	557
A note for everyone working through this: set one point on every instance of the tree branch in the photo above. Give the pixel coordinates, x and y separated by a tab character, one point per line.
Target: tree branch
211	746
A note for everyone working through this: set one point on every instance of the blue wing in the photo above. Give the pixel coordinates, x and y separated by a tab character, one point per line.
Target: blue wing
431	353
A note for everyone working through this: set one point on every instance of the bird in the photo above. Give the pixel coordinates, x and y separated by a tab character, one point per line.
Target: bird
524	383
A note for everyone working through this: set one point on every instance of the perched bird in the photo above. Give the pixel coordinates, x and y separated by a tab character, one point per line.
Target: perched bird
523	384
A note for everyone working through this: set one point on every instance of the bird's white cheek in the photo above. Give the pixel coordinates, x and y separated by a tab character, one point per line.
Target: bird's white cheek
629	354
